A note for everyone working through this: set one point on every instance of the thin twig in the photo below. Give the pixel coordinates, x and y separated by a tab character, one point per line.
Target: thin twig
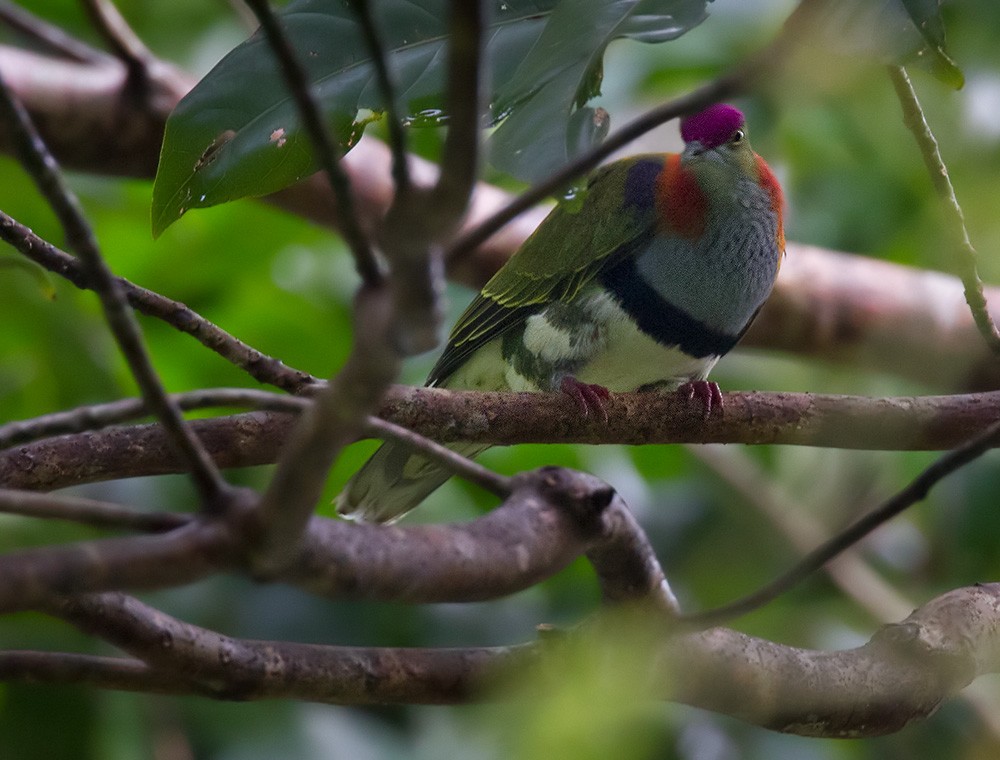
765	63
98	514
121	673
703	97
333	421
43	168
464	467
914	492
418	223
259	366
466	74
850	571
124	43
913	118
398	142
97	416
327	155
53	37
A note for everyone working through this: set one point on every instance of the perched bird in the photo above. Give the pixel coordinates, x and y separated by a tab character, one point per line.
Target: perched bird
642	286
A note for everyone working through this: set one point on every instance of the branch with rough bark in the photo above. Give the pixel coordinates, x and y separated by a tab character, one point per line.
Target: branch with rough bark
861	312
902	674
37	457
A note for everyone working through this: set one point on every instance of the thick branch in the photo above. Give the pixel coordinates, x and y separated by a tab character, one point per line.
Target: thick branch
181	556
901	675
906	423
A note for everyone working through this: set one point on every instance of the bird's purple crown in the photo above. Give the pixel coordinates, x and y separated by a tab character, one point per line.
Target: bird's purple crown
713	126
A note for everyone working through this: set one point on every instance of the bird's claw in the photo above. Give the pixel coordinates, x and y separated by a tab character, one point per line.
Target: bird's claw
588	396
706	391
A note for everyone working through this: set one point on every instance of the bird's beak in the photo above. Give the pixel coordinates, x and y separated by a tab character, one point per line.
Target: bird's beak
692	149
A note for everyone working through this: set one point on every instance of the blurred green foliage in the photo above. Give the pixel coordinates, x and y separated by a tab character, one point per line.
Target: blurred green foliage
854	181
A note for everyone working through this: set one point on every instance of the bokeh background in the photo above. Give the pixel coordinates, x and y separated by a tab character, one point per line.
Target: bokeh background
855	182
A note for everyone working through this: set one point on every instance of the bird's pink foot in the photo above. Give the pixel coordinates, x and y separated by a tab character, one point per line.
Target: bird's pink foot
588	397
706	391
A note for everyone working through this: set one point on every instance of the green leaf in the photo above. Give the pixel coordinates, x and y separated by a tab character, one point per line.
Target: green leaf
563	71
33	270
237	133
926	16
893	31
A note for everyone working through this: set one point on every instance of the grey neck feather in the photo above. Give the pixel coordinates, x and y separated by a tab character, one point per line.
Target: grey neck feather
722	278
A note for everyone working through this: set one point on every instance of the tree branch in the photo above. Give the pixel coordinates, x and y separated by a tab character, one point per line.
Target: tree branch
327	155
915	491
905	423
42	167
903	674
98	514
913	118
259	366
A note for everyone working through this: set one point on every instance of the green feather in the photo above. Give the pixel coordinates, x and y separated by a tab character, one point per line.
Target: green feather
567	252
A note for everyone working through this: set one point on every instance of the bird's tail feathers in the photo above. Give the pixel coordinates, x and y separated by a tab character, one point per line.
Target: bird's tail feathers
394	481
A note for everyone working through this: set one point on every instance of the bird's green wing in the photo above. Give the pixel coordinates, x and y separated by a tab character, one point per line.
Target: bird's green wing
567	251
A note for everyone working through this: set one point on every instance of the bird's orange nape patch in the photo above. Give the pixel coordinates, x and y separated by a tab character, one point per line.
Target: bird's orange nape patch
680	203
769	182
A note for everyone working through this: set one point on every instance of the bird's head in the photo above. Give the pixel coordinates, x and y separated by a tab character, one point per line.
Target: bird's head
718	136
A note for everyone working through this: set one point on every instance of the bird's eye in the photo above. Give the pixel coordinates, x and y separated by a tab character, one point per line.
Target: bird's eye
737	137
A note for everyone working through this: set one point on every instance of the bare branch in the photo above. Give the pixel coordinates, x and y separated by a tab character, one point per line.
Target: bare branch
334	420
45	172
460	156
903	674
327	155
50	35
852	574
87	512
124	43
486	479
905	423
913	118
183	555
101	672
98	416
916	491
260	367
231	668
418	223
386	81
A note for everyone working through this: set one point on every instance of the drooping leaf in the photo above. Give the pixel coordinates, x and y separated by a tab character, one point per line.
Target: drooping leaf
892	31
237	133
41	277
563	71
926	16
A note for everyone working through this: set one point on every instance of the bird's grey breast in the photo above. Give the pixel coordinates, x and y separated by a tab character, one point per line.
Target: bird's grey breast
722	276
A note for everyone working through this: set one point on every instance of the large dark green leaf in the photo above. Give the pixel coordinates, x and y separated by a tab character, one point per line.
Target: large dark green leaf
237	133
562	72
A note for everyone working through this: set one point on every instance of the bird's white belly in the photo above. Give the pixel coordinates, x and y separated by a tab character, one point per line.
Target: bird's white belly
631	359
609	349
